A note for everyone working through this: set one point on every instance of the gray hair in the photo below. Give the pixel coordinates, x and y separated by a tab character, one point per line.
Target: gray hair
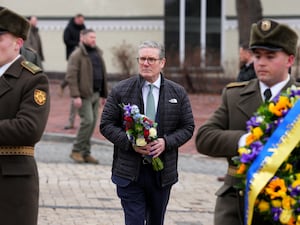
153	44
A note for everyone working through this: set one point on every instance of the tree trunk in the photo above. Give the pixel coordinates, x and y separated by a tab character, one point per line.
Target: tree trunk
248	12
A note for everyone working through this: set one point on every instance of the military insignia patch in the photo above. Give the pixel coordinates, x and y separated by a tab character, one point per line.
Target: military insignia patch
40	97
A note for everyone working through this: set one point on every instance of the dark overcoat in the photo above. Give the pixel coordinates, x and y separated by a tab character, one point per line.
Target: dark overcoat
24	109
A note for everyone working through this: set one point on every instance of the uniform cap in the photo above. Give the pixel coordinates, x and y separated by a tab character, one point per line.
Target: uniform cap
270	35
13	23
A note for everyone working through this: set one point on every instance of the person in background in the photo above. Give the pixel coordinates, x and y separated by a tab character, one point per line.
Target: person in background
71	37
274	48
247	71
34	40
86	76
24	110
71	33
145	193
31	55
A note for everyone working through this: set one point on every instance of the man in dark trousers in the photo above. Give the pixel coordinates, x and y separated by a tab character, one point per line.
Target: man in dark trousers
24	109
274	47
144	192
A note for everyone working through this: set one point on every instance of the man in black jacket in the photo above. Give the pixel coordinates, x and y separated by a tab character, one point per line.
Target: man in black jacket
144	193
71	39
72	33
247	71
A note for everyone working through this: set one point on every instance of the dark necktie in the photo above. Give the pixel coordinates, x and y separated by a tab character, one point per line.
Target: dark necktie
150	106
267	94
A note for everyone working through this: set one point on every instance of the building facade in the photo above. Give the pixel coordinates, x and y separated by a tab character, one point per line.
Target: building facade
198	34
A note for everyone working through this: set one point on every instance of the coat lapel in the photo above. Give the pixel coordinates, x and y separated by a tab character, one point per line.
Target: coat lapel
7	84
250	99
4	86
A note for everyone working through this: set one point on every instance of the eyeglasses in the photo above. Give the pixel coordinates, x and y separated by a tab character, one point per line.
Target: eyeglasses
142	60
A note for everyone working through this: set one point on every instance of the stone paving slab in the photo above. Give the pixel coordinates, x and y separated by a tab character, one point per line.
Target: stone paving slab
73	194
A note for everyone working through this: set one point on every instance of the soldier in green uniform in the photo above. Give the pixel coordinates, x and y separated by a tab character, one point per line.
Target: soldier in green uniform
24	109
274	48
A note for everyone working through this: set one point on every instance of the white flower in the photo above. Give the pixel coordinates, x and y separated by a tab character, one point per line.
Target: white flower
152	132
141	142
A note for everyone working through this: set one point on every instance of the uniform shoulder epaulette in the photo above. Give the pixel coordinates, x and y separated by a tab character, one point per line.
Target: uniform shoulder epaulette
237	84
34	69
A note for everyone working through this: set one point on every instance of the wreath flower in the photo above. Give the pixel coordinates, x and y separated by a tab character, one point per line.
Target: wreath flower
279	200
140	131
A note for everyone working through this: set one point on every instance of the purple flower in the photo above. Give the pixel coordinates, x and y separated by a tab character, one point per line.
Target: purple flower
256	147
252	122
276	213
295	93
295	191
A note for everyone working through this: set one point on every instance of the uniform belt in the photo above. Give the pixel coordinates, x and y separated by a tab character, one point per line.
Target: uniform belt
17	150
232	170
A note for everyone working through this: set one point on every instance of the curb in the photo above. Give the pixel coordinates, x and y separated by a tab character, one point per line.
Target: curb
69	138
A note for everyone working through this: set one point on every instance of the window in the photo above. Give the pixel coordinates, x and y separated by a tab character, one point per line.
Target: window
192	33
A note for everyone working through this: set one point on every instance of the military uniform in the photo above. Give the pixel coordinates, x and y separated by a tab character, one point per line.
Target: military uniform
240	101
220	135
24	109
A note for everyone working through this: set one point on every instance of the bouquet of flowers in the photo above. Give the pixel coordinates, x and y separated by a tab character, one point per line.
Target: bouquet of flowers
272	153
140	131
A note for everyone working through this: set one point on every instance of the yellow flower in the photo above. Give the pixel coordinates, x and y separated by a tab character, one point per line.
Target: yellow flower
295	183
257	132
241	169
263	206
298	220
255	135
276	203
243	150
276	188
141	142
287	202
250	139
282	105
285	216
288	168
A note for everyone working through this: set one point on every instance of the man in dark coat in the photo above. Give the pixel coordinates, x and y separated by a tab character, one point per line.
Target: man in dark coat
24	109
144	193
247	71
274	46
71	38
72	33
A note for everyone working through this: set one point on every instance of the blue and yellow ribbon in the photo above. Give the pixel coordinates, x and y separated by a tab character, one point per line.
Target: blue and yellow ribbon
279	146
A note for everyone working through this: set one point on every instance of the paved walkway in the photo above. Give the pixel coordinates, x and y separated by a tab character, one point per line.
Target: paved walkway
73	194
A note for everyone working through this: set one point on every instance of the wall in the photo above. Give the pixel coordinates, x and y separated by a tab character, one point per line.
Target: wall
114	22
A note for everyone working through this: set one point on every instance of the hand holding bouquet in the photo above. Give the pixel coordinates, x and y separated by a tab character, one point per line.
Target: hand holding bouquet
140	131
